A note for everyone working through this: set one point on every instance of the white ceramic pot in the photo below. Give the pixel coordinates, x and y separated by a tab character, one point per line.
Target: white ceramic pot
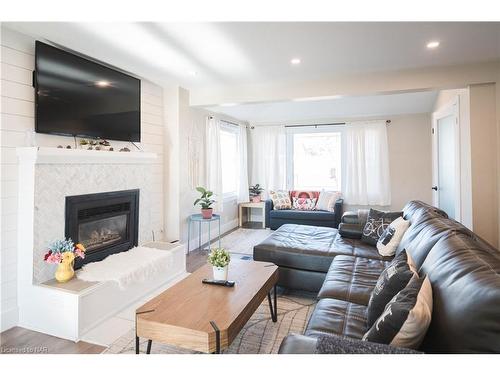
220	273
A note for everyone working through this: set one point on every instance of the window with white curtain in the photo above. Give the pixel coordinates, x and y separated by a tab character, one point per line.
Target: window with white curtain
229	138
315	158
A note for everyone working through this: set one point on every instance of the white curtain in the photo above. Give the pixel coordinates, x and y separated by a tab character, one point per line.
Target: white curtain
268	157
213	161
242	191
367	164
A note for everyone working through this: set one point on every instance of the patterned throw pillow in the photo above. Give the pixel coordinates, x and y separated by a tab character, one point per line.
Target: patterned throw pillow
281	200
304	194
390	239
390	282
327	199
307	204
406	317
376	223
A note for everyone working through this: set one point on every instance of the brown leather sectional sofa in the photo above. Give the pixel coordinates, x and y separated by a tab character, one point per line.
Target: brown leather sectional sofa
463	269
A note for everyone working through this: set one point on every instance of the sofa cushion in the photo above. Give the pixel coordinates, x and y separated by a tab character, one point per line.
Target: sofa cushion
306	204
281	200
376	223
303	215
332	316
308	248
391	281
406	317
352	279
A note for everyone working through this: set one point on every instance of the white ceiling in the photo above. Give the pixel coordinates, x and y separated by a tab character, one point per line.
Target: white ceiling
252	53
337	108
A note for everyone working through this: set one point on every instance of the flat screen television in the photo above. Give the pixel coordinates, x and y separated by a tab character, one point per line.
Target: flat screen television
79	97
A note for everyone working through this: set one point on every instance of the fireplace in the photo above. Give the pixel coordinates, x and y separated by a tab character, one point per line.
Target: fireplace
105	223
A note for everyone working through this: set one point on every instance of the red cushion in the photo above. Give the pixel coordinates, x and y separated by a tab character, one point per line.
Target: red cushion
304	194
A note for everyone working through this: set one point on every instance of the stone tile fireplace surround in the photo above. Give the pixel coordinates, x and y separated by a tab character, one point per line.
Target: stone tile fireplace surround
47	176
52	174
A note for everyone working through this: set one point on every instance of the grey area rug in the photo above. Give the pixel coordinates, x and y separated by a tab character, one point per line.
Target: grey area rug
259	336
242	240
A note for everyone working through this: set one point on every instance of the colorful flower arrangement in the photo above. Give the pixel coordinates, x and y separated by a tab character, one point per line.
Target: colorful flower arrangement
57	249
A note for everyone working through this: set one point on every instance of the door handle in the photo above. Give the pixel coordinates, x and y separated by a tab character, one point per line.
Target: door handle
435	188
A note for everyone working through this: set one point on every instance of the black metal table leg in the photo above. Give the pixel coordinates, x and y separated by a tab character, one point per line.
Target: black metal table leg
148	350
273	309
136	344
217	336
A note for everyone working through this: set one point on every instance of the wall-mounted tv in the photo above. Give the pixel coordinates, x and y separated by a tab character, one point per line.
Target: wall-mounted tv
79	97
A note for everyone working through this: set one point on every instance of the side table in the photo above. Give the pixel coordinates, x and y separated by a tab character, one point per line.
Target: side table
249	206
200	220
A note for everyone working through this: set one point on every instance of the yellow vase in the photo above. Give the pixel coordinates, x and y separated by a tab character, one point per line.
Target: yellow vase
65	271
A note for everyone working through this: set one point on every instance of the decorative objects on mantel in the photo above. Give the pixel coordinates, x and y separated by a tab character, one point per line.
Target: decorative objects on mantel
63	253
205	201
219	258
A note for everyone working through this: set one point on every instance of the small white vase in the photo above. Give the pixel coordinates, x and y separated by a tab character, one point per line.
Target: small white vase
220	273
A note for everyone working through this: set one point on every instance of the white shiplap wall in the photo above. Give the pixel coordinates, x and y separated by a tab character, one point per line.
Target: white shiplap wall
17	119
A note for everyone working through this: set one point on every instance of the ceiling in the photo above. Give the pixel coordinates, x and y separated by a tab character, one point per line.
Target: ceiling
204	55
336	108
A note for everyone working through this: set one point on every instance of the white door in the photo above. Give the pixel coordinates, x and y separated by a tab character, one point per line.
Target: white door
447	161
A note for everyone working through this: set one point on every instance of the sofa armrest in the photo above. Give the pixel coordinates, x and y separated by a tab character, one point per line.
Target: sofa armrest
269	208
333	344
338	211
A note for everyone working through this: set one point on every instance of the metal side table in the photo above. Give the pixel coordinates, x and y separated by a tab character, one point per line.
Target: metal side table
198	218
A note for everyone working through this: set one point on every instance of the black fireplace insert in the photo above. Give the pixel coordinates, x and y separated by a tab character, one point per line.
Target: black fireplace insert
105	223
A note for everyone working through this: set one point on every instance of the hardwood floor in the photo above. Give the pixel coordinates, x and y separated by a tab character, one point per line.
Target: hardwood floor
23	341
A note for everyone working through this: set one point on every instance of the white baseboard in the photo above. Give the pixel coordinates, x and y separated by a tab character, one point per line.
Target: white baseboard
9	319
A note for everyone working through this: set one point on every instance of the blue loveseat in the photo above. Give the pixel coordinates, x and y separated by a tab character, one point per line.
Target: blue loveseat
319	218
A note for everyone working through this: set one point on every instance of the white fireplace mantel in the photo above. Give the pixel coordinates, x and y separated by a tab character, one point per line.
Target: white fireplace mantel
54	155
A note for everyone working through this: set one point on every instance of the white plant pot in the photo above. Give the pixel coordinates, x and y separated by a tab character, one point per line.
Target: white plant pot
220	273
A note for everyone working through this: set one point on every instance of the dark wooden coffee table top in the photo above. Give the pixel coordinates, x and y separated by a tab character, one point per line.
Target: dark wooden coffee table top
181	315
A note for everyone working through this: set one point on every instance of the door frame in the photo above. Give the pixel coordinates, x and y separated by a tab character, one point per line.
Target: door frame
450	109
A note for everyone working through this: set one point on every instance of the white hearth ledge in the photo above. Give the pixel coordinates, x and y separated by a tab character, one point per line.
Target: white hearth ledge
54	155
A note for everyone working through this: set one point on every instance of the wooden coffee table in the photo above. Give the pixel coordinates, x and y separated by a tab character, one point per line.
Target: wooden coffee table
203	317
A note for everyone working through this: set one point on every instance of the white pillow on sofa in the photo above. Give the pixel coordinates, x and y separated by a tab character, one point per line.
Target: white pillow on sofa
326	200
392	236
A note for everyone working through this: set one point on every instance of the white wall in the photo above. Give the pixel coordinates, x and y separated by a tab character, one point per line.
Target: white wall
192	169
484	161
17	118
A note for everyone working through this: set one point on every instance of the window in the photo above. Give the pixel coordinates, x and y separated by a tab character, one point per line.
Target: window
314	158
229	159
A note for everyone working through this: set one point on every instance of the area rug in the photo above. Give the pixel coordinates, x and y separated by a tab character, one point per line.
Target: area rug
259	336
242	240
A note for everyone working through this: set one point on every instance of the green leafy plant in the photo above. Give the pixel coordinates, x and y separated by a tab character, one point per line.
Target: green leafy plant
219	257
205	201
255	190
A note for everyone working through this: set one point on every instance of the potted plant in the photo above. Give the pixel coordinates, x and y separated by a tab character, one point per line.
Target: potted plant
219	259
255	192
63	253
205	201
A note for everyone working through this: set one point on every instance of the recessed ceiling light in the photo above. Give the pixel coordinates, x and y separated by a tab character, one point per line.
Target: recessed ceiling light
433	44
295	61
102	83
192	73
